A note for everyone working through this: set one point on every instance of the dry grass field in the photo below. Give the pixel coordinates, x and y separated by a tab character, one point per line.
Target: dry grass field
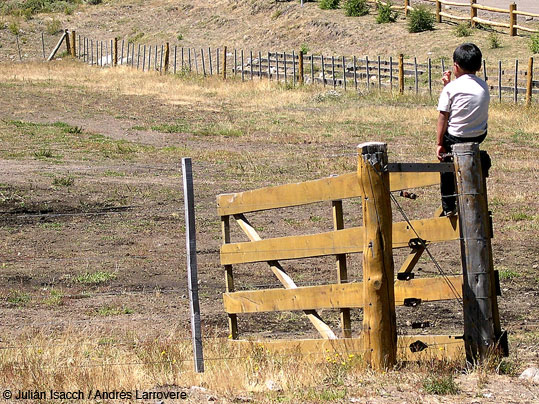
93	285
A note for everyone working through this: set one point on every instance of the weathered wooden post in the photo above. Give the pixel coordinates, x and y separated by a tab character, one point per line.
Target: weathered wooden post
529	82
224	63
73	47
379	320
68	43
167	56
406	5
481	319
438	11
512	19
401	73
342	271
473	13
115	52
300	67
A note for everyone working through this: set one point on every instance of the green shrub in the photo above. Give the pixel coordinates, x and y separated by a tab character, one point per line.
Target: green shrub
494	41
463	30
329	4
421	19
304	48
53	27
356	8
14	28
385	13
440	385
534	43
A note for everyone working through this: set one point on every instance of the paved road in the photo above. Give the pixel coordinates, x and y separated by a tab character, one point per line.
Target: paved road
524	5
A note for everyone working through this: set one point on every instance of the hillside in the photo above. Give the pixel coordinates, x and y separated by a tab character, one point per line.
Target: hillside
258	25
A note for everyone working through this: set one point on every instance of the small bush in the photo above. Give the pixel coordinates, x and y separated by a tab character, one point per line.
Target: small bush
329	4
356	8
494	41
385	13
53	27
14	28
304	48
440	385
534	43
421	19
463	30
179	37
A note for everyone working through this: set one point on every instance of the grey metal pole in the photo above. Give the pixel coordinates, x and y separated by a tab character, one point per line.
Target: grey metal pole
191	253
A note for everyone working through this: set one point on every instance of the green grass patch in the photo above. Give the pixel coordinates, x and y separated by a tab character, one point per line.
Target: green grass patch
55	298
95	278
507	273
66	181
171	128
52	225
107	311
440	385
18	298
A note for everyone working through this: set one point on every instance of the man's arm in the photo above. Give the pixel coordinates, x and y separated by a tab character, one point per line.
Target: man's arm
441	127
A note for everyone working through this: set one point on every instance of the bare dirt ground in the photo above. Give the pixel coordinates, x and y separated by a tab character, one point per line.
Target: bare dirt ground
91	184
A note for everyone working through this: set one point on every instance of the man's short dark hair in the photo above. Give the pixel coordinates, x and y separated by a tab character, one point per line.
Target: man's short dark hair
468	57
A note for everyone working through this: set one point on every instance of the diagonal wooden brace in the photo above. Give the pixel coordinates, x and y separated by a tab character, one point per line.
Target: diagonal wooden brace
286	280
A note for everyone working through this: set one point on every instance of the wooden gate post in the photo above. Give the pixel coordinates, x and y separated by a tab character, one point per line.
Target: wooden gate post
73	48
481	318
115	52
379	320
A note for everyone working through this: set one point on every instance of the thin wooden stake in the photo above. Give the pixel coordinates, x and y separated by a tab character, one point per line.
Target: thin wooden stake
73	45
229	277
277	64
416	81
203	62
355	73
242	67
217	61
430	76
500	80
284	62
18	47
379	74
529	83
342	272
391	73
43	44
344	72
401	73
300	68
516	82
210	61
269	66
333	72
115	53
367	73
192	270
251	64
224	63
175	58
122	54
260	65
312	69
294	68
144	59
323	71
235	62
57	46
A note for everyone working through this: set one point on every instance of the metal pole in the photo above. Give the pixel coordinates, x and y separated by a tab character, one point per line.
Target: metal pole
191	253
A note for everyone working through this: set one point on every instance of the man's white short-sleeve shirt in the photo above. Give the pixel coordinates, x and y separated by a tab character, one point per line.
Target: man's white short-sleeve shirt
466	99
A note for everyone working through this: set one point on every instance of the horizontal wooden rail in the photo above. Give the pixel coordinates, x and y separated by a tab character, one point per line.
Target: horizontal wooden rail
433	347
454	17
493	9
343	295
488	22
526	13
344	241
525	28
326	189
454	3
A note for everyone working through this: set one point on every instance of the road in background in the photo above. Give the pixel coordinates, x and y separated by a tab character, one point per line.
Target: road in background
531	6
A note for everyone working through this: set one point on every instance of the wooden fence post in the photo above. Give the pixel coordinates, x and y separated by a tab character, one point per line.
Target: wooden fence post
379	320
300	67
529	82
167	56
115	52
406	5
191	253
342	271
512	19
473	13
438	11
401	73
224	63
68	42
481	318
229	278
73	47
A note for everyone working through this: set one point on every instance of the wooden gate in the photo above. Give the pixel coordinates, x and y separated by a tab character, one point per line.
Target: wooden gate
379	295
